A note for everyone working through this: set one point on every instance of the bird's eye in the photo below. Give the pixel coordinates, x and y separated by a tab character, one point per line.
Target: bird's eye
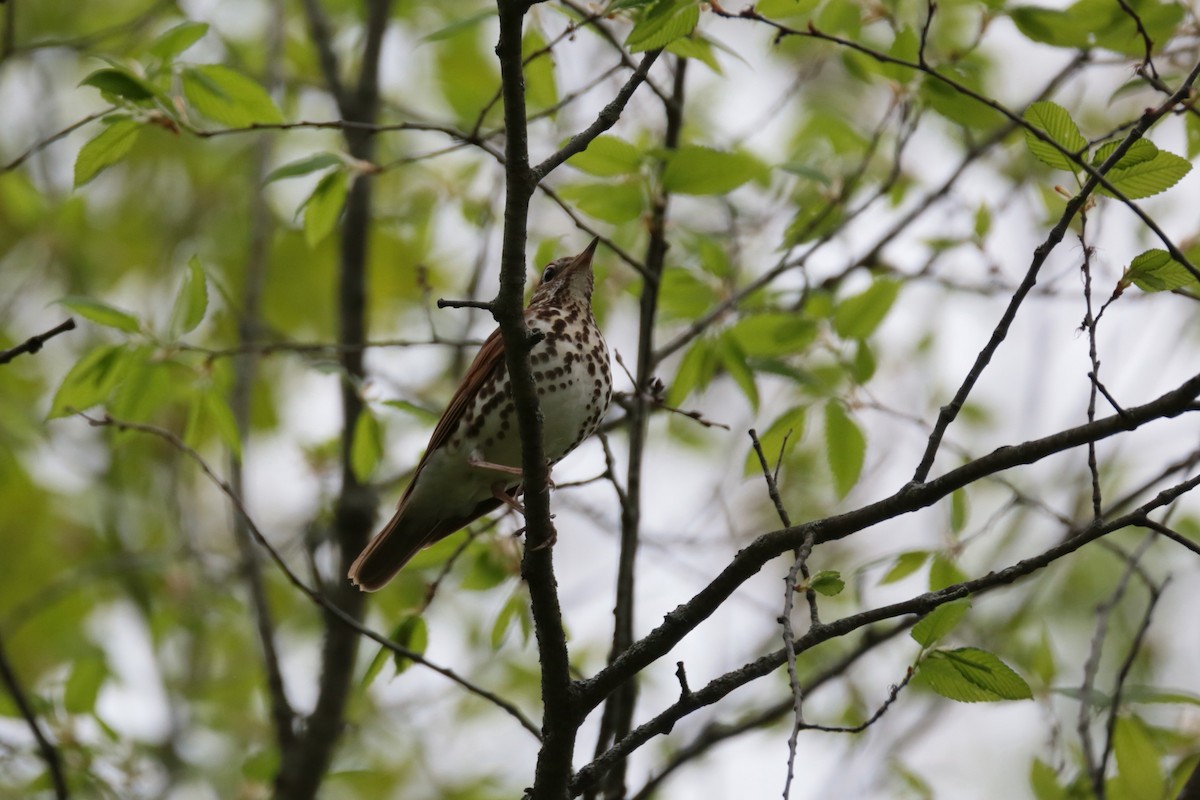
549	274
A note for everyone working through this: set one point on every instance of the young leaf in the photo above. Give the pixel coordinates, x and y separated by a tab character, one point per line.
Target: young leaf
1155	271
778	440
610	202
411	634
102	313
906	564
939	622
698	48
323	207
695	371
89	382
782	9
177	39
1139	773
83	686
857	317
304	166
1140	151
958	510
107	148
734	361
366	447
971	675
943	573
1054	121
607	156
773	334
541	91
701	170
662	23
827	582
119	83
1148	177
845	447
227	96
1044	782
190	302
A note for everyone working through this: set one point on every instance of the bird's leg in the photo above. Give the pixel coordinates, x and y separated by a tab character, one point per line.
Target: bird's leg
500	492
476	461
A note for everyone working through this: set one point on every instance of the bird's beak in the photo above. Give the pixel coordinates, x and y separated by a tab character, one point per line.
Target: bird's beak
584	259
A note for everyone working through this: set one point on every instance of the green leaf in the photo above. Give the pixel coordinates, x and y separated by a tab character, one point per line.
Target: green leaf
701	170
304	166
782	9
417	411
119	83
662	23
683	294
227	96
83	686
827	582
939	622
778	440
89	382
971	675
943	573
178	39
411	634
734	362
1139	152
514	610
541	91
467	74
1155	271
218	413
323	207
102	313
1049	26
906	564
958	510
695	371
191	301
845	447
107	148
858	316
1148	177
773	334
1054	121
607	156
698	48
366	446
1044	782
1139	772
610	202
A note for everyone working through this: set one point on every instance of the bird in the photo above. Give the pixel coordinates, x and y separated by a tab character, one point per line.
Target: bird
471	465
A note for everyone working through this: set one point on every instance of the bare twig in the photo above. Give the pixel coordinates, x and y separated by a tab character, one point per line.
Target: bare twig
34	343
312	594
47	750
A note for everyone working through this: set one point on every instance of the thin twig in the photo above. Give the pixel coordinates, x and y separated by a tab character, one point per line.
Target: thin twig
34	343
47	750
312	594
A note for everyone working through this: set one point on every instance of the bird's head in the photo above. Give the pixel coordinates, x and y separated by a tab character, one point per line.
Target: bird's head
567	279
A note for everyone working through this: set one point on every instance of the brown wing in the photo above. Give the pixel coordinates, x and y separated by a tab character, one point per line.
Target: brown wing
488	360
403	537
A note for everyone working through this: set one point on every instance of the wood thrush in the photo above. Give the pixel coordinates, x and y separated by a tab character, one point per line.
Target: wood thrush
472	463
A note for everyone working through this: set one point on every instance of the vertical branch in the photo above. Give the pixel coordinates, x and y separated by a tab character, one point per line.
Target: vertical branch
48	751
245	368
304	765
1089	324
559	719
617	720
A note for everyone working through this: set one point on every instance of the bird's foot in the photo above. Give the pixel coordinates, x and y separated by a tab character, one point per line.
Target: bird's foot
477	462
501	492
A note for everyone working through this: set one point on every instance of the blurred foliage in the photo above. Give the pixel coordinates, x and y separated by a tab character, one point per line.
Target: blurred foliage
122	604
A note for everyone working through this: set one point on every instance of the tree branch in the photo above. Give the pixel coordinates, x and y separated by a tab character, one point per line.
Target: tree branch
47	750
34	343
912	497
